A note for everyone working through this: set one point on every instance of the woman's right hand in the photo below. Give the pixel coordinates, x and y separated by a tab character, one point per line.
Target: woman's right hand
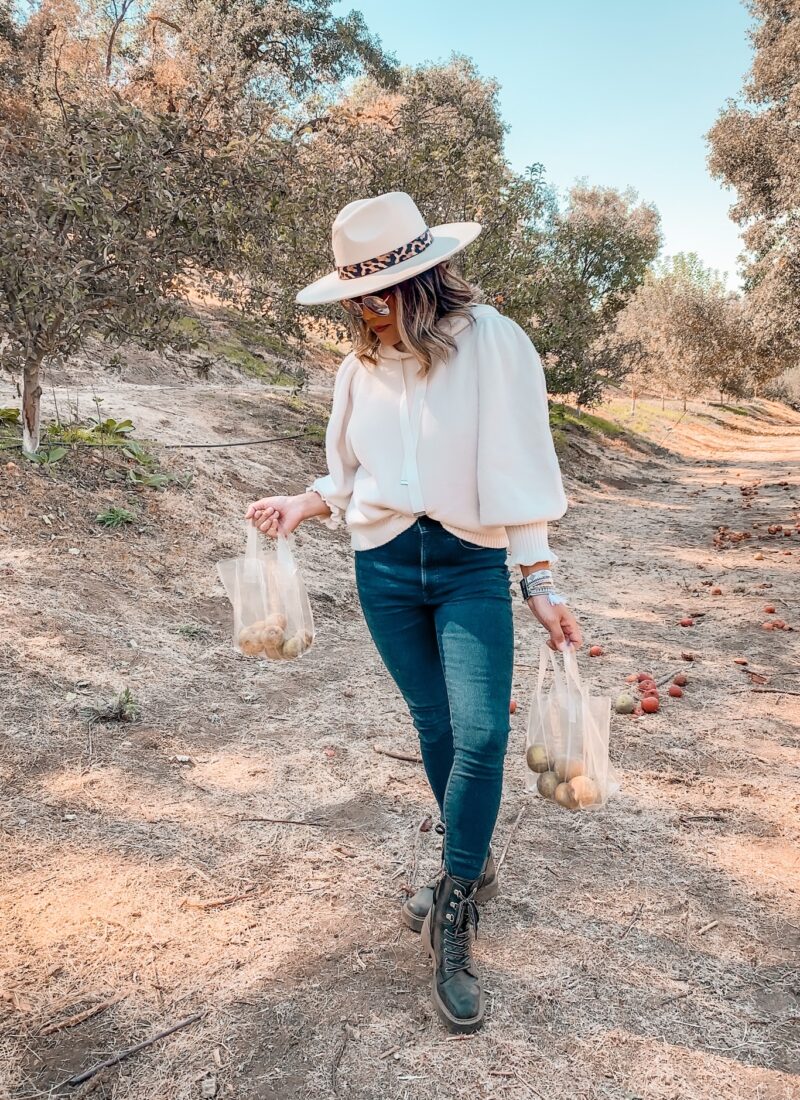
278	515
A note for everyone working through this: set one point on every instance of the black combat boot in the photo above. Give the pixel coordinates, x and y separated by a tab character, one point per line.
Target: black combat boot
447	937
415	909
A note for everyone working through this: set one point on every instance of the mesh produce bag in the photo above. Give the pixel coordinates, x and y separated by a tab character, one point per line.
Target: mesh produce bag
566	748
271	613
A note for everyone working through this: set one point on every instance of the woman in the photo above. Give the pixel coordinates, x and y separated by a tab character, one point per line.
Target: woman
440	458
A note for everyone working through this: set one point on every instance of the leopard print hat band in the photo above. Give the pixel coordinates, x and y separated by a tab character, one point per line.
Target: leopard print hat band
388	259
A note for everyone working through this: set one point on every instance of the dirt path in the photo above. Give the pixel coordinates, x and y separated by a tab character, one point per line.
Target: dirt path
649	951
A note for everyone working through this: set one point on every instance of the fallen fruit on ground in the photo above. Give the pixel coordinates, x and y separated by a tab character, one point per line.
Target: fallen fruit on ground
769	609
584	791
650	704
716	591
631	679
768	625
625	703
536	758
512	707
563	796
740	661
686	622
547	783
596	651
681	679
675	691
778	624
644	676
568	768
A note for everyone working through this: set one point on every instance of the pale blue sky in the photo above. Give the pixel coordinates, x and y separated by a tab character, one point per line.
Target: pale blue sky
618	91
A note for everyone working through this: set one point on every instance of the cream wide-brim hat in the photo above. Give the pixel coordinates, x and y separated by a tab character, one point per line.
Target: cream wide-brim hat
382	241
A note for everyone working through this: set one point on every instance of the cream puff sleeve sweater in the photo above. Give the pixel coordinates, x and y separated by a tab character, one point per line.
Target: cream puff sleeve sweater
469	444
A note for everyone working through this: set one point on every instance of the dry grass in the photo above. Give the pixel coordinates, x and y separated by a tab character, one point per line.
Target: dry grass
649	951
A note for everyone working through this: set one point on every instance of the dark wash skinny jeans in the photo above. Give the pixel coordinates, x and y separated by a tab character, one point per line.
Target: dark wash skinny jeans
439	611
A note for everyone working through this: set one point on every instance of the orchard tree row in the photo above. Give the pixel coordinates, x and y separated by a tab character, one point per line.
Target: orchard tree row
145	147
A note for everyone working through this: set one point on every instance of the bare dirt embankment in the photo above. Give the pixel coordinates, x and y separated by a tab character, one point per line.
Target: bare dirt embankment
648	951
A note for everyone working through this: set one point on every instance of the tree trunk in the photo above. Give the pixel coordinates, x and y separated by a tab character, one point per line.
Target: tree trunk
31	403
663	399
684	404
633	403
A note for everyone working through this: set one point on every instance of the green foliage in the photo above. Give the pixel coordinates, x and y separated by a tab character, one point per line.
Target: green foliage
149	480
562	416
192	630
123	708
9	416
112	430
46	458
115	517
753	148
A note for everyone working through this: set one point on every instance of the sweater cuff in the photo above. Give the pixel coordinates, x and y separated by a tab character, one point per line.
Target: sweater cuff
322	487
528	544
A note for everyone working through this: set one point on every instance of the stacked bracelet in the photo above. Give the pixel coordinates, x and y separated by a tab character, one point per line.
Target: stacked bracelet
540	583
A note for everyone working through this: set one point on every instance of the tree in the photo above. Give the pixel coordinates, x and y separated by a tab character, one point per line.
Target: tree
114	191
439	135
682	333
755	148
602	246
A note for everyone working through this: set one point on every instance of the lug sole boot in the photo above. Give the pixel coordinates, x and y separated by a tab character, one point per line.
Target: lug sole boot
415	909
447	937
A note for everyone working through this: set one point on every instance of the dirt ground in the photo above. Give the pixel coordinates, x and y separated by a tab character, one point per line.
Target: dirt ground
647	951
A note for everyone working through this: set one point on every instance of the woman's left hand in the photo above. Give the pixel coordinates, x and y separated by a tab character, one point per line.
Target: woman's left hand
559	621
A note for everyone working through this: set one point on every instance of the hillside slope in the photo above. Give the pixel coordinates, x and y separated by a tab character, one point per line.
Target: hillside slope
645	951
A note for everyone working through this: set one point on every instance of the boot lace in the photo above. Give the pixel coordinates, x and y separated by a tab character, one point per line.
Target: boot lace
456	934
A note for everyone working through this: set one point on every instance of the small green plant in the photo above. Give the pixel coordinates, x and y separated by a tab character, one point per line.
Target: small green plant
148	479
123	708
115	517
112	429
46	458
192	630
9	415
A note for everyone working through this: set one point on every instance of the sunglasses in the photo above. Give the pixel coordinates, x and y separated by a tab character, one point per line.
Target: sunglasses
375	303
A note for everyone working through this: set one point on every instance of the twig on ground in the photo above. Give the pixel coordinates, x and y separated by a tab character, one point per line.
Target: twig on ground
282	821
765	691
685	818
79	1078
525	1085
707	927
513	829
103	1078
338	1056
79	1017
410	756
218	902
244	443
636	915
388	1053
423	827
676	997
666	679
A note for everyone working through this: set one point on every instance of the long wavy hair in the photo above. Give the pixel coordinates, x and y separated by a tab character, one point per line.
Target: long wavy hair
422	302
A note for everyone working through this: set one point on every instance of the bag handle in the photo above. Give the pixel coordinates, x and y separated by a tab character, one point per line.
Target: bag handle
567	683
251	549
284	546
